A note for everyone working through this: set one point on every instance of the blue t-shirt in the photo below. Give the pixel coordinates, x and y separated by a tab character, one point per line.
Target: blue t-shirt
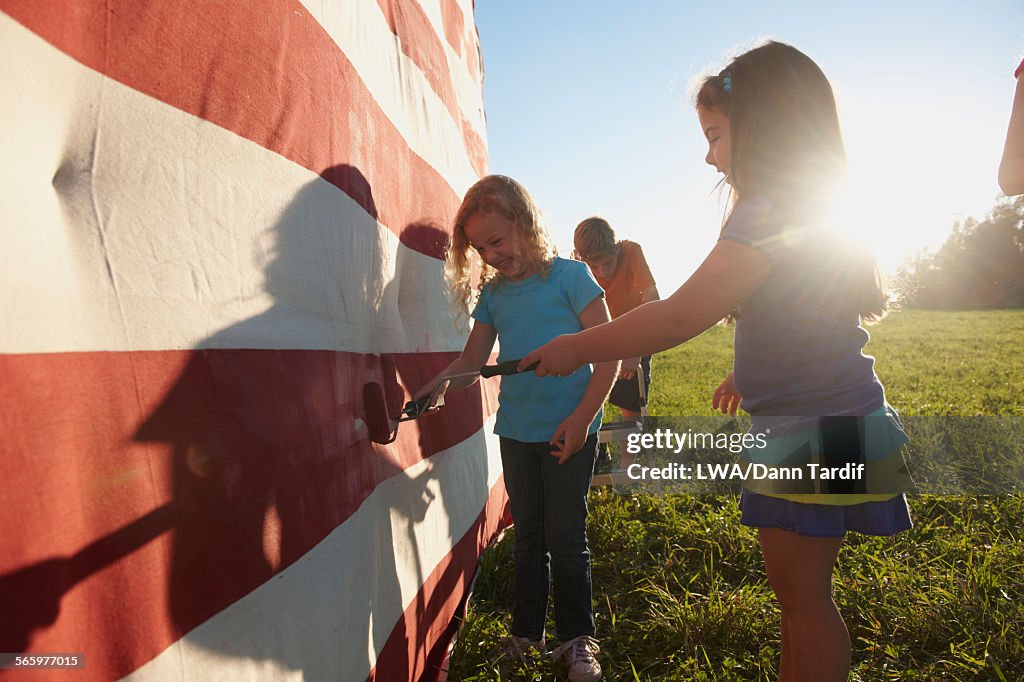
796	352
527	314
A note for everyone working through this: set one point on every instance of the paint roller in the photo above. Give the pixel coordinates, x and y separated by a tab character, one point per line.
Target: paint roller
383	428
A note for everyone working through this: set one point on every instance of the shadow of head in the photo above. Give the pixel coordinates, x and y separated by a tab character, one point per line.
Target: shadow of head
324	254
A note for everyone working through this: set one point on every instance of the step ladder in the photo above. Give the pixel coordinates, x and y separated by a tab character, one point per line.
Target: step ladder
619	432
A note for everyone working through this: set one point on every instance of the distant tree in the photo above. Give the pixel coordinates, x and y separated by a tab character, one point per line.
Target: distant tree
980	265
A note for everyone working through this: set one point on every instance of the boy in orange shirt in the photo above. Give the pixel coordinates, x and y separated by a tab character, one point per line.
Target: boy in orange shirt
622	271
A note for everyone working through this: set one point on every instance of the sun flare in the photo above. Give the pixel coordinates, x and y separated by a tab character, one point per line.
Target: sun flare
906	186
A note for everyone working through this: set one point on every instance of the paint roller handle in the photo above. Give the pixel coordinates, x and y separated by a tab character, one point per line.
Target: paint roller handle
431	402
415	408
505	368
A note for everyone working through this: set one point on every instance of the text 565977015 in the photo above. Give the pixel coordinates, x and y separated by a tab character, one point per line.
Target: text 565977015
40	661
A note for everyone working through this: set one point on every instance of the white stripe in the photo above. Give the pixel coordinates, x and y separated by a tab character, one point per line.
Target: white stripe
127	224
467	89
328	615
398	85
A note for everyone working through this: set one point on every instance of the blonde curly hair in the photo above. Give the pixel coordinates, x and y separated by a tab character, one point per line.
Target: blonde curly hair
493	194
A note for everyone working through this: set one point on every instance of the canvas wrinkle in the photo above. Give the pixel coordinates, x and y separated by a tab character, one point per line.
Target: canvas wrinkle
97	213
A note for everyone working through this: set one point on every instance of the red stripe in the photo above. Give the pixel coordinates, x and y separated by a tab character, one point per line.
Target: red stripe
416	645
474	57
265	71
104	453
420	43
454	24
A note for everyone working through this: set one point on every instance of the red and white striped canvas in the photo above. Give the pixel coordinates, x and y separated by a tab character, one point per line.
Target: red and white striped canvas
219	220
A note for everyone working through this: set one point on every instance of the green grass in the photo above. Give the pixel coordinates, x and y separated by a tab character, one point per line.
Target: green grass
931	363
679	586
943	363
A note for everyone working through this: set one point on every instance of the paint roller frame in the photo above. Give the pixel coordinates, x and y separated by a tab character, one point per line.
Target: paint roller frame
383	428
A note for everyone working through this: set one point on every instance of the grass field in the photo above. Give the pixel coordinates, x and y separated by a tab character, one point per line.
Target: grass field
679	585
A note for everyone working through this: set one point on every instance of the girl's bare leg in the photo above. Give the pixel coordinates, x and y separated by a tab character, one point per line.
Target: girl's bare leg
815	641
786	672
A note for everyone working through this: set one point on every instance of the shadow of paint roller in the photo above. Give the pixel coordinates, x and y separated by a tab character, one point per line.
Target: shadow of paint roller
383	428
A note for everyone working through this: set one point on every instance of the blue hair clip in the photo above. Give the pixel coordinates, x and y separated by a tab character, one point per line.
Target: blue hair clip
727	83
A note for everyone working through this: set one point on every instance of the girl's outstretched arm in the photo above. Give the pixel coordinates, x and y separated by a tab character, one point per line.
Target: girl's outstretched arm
1011	167
571	434
474	356
726	278
630	366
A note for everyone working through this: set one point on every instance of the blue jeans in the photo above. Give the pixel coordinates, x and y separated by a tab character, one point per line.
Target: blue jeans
549	510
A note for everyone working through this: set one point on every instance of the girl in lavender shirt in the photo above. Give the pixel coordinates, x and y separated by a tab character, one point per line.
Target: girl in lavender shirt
798	292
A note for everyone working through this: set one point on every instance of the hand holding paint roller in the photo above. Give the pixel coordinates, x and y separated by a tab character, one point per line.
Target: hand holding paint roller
431	396
383	428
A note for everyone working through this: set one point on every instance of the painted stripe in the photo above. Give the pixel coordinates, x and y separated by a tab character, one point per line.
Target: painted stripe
465	75
454	25
465	70
150	229
329	615
418	644
473	72
369	31
421	102
146	247
225	64
197	477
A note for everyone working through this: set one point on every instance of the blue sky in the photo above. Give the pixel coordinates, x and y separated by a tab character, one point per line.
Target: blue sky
588	106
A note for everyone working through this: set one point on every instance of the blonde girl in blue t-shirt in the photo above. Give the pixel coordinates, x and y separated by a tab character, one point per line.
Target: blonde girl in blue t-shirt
798	292
547	426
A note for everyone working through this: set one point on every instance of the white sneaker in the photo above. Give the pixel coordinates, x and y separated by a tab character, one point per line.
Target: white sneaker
580	654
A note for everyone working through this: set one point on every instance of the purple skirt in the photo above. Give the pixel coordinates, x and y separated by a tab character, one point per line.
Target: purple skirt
823	520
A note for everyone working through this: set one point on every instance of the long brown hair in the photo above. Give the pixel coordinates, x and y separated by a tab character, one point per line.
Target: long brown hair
787	147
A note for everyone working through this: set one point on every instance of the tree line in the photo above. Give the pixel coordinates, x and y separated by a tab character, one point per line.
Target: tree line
980	265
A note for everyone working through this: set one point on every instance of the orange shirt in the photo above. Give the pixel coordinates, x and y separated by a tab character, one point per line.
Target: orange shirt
631	277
